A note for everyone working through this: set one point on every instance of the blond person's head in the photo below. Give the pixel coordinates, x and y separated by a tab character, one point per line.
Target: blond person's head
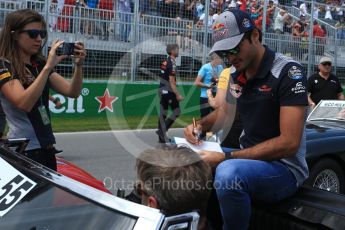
174	179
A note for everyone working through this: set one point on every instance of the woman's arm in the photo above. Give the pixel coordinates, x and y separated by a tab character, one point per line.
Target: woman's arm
71	88
25	99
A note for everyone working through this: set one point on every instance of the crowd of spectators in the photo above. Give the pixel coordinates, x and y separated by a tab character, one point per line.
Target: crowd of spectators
97	16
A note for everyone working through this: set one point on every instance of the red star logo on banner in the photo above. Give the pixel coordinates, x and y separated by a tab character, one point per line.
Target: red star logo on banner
106	101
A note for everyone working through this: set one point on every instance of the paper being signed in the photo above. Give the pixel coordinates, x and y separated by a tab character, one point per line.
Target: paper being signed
205	145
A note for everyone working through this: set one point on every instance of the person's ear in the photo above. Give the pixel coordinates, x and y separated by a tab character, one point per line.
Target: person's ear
152	202
255	36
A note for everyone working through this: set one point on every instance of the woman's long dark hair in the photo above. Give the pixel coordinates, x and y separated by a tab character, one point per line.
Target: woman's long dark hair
9	49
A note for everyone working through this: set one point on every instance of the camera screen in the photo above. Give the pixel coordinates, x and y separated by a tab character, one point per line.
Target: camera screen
66	49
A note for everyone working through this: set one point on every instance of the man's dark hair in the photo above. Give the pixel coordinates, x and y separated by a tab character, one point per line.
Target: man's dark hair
248	35
171	47
176	177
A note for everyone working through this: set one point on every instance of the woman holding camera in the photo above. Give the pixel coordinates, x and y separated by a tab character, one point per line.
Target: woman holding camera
26	77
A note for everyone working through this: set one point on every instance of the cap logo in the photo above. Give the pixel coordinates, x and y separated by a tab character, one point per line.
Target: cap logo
246	23
218	26
220	34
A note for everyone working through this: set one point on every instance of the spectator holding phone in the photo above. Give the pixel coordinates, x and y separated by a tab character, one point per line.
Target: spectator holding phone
26	77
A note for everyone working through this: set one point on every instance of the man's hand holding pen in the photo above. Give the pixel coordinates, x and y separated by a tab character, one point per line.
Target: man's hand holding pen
192	133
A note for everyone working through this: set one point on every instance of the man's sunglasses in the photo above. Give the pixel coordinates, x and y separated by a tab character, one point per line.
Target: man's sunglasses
234	51
225	53
34	33
327	63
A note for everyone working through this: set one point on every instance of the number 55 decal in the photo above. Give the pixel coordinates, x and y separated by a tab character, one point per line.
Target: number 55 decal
13	187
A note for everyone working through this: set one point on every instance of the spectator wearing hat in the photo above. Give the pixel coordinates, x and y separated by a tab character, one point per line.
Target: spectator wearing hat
271	164
324	85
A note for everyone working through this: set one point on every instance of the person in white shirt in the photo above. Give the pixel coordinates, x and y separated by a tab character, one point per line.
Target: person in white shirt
232	5
328	14
316	12
211	17
280	21
303	9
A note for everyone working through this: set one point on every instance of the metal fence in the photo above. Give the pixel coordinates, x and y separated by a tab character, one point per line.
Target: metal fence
130	46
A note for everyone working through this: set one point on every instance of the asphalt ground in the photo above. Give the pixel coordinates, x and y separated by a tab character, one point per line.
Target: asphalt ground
109	156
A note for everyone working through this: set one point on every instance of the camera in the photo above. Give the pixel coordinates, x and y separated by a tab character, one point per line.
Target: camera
67	48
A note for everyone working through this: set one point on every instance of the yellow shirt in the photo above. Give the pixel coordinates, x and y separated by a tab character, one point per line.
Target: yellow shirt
223	81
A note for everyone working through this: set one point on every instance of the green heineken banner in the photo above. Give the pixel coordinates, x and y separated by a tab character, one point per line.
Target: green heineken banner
120	99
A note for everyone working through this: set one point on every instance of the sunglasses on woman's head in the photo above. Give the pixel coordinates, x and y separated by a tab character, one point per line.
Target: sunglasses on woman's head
34	33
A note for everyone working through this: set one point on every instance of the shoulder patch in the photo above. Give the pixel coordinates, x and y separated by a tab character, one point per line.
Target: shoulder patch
295	73
4	74
280	62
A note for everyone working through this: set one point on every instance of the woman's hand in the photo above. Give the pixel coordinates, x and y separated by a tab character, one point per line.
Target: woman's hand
79	53
54	59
